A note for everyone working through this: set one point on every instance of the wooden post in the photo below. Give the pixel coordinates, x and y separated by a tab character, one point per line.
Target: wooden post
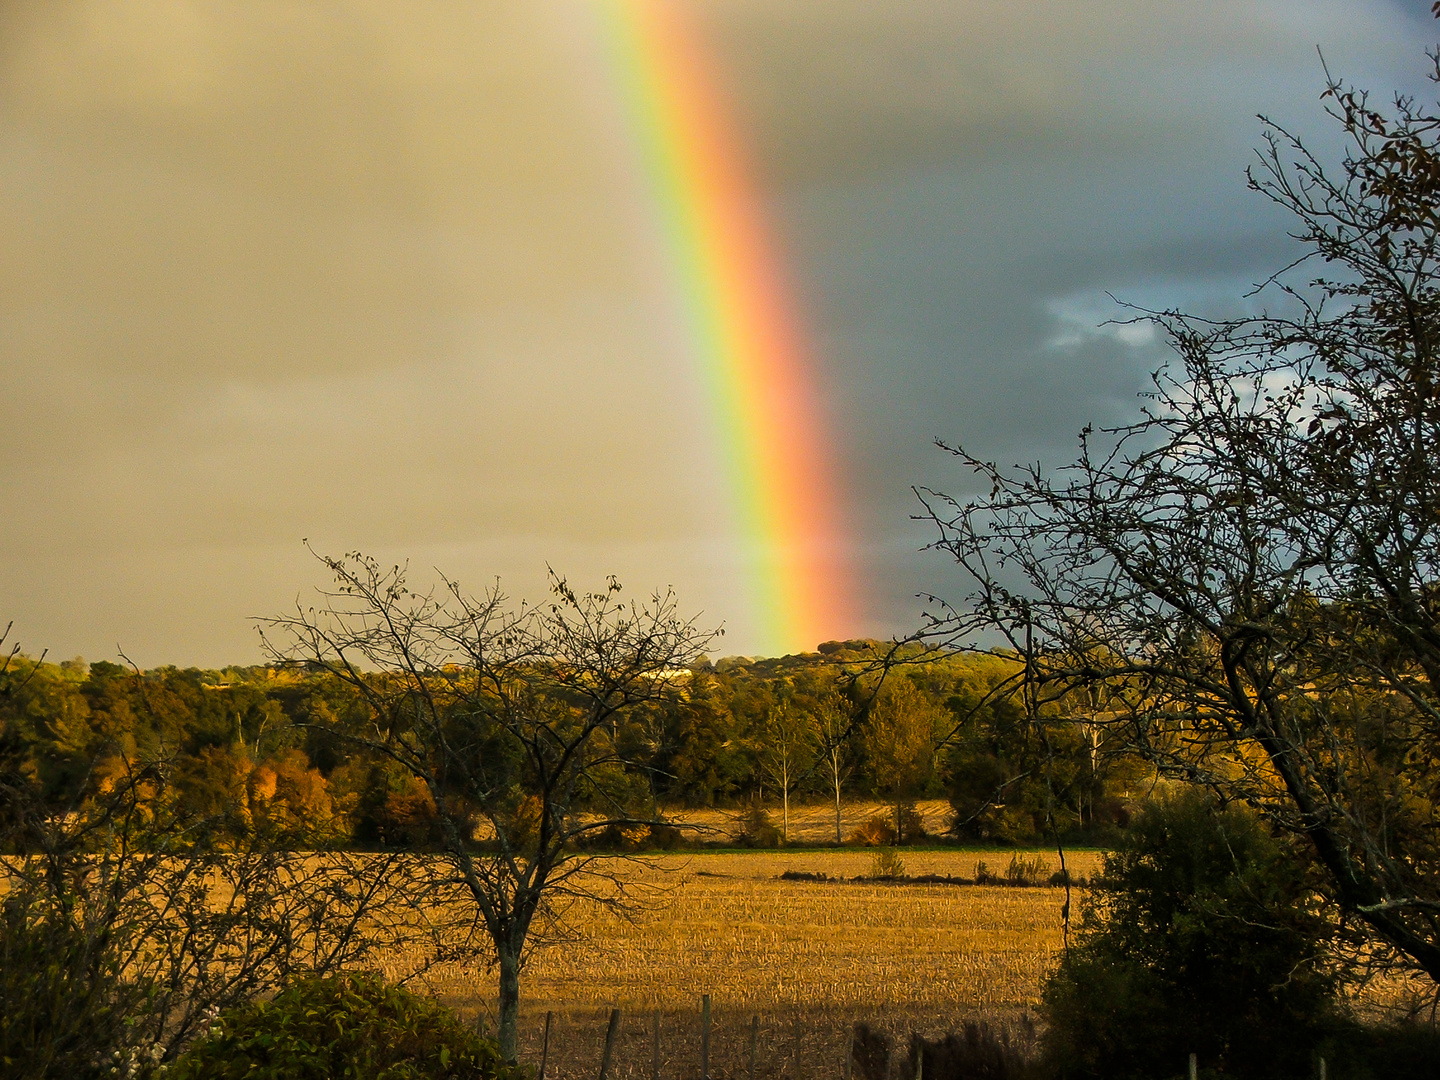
754	1032
1322	1069
1194	1067
545	1045
654	1050
705	1037
920	1060
849	1051
609	1042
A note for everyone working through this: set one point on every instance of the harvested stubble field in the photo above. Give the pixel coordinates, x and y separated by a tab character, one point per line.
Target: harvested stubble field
814	823
808	958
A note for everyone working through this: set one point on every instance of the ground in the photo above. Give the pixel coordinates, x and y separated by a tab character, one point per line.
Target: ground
807	958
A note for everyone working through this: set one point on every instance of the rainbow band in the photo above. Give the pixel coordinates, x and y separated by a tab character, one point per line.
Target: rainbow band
742	323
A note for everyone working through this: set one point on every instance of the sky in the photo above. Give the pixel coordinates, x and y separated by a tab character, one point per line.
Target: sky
376	276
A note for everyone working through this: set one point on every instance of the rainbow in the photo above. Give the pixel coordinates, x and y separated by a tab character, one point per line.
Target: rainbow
742	324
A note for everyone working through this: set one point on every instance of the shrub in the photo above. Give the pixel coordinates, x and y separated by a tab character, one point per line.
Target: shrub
352	1026
978	1051
755	829
873	832
887	864
1026	871
1200	938
984	875
912	823
63	993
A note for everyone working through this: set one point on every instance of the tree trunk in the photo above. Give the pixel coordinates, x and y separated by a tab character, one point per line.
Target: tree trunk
509	958
786	832
838	839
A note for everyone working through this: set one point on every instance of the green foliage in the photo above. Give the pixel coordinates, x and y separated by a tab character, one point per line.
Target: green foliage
273	753
65	999
1200	938
1024	870
887	864
755	829
354	1027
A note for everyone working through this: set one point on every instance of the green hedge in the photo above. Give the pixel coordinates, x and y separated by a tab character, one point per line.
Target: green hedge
349	1027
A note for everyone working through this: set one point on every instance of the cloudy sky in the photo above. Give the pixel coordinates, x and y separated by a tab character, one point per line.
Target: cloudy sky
364	273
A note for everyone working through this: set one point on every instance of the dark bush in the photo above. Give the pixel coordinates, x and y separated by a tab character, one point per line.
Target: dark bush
352	1026
1403	1051
63	997
870	1053
1200	938
754	829
978	1051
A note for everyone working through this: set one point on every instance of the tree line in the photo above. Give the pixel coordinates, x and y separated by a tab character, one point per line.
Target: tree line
279	751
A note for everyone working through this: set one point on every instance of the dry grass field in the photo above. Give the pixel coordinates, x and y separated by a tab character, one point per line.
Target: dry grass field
815	823
807	958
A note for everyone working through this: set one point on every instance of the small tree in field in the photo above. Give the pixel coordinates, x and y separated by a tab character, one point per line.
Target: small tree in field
515	719
787	752
834	725
899	742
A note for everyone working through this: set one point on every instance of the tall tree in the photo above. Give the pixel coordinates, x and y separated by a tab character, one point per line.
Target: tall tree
1251	569
788	745
514	719
900	742
834	725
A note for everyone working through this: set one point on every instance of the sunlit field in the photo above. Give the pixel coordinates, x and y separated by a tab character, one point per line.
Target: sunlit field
808	958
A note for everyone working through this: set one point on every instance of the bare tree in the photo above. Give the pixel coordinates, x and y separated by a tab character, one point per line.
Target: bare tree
787	752
125	928
1248	572
834	725
516	721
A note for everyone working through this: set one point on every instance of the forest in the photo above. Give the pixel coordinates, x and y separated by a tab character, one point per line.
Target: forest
280	751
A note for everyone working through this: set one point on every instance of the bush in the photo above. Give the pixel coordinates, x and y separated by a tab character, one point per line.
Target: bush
1026	871
1198	939
887	864
63	996
912	823
873	832
352	1026
978	1051
754	829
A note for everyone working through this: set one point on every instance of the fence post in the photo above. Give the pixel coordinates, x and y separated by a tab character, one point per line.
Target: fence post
609	1042
705	1037
1194	1067
1322	1069
545	1045
849	1051
754	1032
654	1050
920	1059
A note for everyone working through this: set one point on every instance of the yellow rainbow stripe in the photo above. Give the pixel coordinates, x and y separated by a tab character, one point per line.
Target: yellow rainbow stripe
743	325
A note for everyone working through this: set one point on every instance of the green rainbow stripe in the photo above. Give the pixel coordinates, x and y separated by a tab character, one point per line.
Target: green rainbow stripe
742	323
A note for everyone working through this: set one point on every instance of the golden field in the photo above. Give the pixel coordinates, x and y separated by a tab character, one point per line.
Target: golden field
808	958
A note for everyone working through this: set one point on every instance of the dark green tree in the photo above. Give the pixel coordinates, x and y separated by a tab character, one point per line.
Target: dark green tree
1201	938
